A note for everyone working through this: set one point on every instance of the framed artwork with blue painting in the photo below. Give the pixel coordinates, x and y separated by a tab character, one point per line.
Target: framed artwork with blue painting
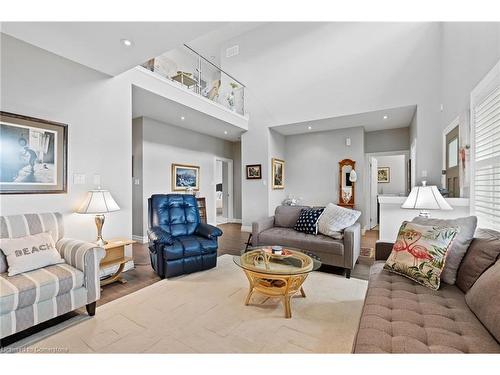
185	177
33	155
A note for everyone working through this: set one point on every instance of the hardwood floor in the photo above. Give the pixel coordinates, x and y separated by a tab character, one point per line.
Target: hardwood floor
232	242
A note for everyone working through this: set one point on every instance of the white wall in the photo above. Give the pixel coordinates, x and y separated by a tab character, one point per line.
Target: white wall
164	144
304	71
397	182
312	169
98	112
387	140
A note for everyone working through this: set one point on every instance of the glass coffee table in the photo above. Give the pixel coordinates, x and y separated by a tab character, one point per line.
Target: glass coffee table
276	275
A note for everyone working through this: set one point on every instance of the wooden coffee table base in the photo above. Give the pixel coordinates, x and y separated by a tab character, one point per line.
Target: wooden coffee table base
276	285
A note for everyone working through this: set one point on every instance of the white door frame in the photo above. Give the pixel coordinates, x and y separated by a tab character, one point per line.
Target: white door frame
230	198
367	181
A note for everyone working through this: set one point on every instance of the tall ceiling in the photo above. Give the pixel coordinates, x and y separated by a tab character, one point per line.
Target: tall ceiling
98	44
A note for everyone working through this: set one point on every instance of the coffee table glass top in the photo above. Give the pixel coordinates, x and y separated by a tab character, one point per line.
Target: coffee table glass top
260	260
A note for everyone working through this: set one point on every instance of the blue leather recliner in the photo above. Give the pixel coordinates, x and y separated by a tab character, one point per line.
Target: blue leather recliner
178	242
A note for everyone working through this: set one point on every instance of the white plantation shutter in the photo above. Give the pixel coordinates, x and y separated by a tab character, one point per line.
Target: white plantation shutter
485	155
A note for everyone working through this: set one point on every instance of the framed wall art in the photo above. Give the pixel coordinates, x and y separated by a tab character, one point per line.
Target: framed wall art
254	171
185	176
278	173
383	175
33	155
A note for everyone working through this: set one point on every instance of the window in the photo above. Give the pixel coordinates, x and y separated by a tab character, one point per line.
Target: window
485	153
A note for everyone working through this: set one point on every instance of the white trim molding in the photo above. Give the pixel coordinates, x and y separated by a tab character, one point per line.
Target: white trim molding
140	239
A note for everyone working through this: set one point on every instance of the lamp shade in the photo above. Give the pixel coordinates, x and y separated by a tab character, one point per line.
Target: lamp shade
426	198
98	202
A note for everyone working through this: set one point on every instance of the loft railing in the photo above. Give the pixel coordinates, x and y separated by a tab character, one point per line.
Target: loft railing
194	72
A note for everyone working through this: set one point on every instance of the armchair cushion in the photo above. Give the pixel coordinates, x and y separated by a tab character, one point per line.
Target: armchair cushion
159	236
189	246
208	231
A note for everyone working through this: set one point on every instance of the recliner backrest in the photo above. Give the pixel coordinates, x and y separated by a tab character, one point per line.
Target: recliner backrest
176	214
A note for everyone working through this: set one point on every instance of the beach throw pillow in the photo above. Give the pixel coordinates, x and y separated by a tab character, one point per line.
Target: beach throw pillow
308	220
460	245
420	252
335	219
29	253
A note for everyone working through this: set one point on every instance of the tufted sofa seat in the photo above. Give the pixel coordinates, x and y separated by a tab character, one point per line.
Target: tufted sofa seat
401	316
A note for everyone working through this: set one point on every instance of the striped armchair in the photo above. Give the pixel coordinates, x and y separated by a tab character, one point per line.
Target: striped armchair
36	296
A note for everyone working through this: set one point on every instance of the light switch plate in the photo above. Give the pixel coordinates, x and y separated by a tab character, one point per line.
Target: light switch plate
79	179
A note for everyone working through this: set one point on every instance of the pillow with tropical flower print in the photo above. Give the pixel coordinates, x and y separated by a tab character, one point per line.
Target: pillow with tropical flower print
420	252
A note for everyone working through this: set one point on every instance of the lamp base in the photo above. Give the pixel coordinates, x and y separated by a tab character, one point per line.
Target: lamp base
99	223
424	213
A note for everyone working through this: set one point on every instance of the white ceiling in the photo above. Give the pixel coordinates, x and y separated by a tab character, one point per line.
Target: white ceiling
148	104
97	44
396	118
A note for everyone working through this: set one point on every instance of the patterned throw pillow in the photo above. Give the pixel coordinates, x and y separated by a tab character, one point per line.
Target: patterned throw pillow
308	220
420	252
335	219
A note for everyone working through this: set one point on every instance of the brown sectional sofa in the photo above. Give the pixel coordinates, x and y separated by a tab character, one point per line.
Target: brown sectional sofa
401	316
278	230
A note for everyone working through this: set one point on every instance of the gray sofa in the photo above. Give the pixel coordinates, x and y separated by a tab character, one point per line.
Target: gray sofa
401	316
278	230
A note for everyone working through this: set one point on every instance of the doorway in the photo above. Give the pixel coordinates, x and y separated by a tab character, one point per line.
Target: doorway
451	170
223	190
387	175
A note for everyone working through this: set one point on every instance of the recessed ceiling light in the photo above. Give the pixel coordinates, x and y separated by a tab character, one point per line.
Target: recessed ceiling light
127	42
386	117
182	118
225	132
309	127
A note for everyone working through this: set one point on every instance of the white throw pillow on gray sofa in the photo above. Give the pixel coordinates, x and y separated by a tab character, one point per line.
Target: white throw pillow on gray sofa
335	219
30	252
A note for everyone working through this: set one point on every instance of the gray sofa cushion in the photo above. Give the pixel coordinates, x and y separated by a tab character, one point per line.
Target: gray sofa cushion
484	299
308	242
286	216
401	316
482	254
457	250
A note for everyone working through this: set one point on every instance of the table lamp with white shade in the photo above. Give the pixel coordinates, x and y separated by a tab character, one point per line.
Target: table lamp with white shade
425	198
98	202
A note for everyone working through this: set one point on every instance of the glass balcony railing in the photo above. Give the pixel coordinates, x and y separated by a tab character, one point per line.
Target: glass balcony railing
192	71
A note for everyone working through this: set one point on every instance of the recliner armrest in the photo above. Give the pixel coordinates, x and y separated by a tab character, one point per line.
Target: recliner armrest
208	231
158	236
383	250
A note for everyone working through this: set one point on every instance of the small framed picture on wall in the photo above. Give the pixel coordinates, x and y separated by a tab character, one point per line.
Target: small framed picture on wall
254	171
384	175
185	176
278	173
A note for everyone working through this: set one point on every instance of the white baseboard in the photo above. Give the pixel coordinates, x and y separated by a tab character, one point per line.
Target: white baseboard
235	221
140	239
246	228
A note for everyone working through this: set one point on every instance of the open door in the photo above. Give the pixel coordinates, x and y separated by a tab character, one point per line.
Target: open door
373	192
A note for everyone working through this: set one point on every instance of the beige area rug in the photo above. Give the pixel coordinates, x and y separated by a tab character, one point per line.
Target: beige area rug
204	312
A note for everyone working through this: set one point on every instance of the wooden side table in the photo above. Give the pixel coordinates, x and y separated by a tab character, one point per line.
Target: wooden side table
115	255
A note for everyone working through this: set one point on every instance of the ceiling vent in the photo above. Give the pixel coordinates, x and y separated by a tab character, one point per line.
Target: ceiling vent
233	51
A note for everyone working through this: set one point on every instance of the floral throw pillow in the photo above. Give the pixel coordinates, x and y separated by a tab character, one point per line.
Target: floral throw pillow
420	252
